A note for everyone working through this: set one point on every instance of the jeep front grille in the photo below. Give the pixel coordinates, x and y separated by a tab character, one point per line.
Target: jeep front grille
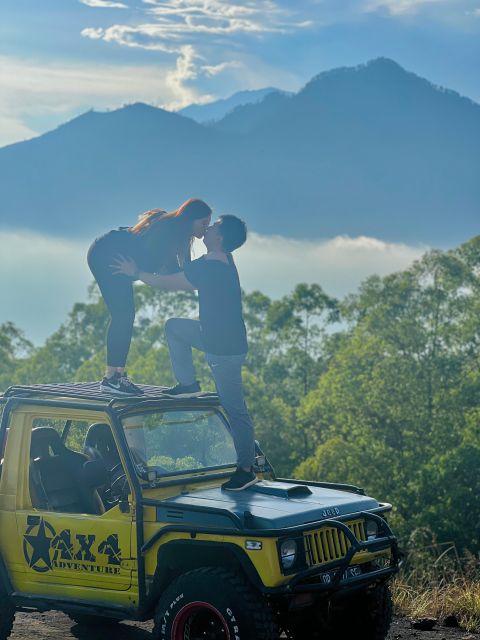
330	543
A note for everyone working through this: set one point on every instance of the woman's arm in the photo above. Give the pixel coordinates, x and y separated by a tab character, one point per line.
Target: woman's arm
170	282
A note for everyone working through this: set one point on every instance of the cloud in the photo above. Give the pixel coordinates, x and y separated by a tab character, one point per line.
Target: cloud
104	4
184	21
30	89
43	276
185	71
12	128
195	31
276	264
214	70
400	7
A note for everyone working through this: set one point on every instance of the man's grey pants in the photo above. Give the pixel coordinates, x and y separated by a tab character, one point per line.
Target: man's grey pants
182	334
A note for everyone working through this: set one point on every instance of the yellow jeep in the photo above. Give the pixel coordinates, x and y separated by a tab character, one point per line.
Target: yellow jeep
112	509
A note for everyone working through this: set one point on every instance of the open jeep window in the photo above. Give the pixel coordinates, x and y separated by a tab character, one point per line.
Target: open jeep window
179	440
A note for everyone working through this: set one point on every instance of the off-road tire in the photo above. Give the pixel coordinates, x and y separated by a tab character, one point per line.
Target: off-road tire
7	615
370	611
227	600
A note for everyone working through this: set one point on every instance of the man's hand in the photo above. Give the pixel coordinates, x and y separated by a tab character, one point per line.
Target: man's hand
125	266
171	282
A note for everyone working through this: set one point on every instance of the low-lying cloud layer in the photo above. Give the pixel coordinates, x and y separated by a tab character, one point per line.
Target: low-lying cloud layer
275	264
42	277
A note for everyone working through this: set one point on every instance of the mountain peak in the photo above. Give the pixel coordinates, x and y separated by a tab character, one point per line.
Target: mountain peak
139	107
382	64
381	68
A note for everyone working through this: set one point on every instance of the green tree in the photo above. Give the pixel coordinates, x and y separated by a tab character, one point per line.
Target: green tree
296	324
397	396
14	348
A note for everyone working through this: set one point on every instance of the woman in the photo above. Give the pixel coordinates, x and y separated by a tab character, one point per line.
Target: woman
160	241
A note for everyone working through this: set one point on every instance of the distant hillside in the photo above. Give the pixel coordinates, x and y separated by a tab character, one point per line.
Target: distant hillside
367	150
213	111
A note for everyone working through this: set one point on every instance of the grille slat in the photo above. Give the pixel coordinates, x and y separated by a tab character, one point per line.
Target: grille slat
336	541
329	543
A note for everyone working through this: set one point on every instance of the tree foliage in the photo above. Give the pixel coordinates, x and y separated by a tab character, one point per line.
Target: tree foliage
396	411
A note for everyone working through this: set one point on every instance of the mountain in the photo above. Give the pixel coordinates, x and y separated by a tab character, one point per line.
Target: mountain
213	111
371	150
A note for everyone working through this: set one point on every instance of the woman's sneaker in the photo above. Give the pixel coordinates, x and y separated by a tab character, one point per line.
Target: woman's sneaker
120	385
240	480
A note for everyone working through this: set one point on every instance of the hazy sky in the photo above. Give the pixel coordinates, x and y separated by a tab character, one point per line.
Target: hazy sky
59	58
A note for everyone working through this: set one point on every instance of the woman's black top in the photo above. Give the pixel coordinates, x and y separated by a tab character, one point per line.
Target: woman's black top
148	257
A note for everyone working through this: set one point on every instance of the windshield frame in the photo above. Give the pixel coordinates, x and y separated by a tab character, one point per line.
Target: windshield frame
164	407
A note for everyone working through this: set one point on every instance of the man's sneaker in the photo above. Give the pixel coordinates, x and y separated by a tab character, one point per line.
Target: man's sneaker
240	480
120	385
183	389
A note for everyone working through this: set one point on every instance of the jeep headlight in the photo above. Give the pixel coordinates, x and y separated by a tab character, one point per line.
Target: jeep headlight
288	553
371	529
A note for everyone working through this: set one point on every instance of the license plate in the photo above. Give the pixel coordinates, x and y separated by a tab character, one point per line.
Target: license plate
348	574
351	572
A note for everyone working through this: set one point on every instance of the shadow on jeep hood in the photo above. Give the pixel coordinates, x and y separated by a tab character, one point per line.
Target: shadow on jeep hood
267	505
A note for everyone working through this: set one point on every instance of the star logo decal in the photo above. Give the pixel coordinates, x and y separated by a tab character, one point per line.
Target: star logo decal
37	544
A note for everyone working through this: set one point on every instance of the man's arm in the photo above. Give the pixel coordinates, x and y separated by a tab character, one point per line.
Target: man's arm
169	282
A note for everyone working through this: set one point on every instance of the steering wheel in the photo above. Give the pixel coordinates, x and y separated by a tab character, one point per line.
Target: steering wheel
120	483
117	485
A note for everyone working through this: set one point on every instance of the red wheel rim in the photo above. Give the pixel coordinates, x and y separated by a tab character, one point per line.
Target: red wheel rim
200	620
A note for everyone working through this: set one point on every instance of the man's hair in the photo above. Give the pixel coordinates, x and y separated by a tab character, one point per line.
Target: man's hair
233	232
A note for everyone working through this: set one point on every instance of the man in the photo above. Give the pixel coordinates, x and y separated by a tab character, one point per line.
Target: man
219	332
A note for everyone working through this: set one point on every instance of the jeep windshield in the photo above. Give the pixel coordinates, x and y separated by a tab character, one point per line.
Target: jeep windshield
178	441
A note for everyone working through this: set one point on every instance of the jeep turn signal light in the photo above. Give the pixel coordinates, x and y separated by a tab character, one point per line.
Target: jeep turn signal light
253	545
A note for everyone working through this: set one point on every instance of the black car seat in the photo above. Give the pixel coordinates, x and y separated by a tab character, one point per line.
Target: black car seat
62	479
100	445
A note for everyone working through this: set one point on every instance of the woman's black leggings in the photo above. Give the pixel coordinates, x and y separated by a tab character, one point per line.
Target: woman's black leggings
117	291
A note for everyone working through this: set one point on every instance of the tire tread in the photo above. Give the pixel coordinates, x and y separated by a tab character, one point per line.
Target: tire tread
264	621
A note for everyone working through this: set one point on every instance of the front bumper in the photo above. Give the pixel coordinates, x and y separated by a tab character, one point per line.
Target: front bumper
345	574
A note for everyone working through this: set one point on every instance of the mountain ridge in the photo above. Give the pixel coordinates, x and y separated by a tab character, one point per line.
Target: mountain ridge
369	150
217	109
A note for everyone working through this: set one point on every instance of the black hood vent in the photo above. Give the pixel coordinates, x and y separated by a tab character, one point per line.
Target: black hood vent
281	490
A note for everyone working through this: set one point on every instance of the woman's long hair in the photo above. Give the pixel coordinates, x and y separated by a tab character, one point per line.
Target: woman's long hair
173	228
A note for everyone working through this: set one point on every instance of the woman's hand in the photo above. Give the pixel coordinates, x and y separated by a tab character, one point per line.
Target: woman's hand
125	266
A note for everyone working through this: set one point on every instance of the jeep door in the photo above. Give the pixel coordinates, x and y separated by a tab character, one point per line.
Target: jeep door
72	551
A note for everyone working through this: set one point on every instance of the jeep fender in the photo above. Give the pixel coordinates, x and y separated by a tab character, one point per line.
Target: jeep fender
179	556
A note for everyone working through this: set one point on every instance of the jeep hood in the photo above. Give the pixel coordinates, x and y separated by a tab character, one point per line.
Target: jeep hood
265	505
